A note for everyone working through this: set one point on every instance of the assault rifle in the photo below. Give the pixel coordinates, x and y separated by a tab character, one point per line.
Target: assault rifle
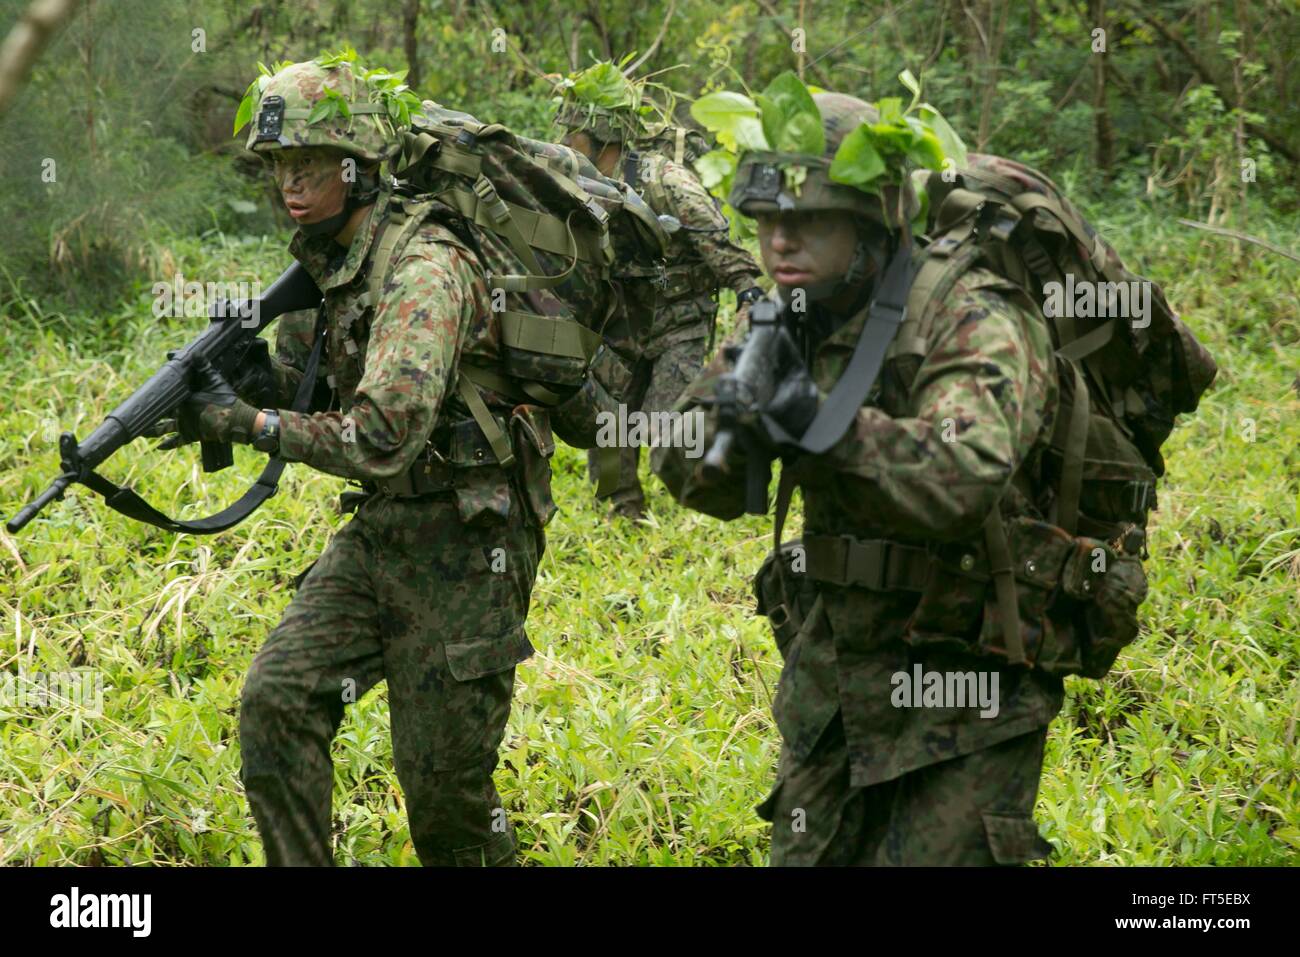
758	365
224	343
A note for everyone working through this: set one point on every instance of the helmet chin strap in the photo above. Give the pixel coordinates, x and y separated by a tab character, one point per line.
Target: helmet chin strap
361	193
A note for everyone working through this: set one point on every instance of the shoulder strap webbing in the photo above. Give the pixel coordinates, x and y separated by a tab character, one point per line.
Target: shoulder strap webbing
885	314
403	221
1002	569
1072	438
469	394
130	504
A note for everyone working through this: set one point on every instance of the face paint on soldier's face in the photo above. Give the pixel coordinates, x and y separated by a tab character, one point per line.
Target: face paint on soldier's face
310	180
800	249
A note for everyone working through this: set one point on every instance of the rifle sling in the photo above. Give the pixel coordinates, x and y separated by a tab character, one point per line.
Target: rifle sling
130	504
886	313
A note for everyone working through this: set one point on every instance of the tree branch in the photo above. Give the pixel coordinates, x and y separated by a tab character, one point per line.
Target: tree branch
25	42
650	51
822	79
1244	237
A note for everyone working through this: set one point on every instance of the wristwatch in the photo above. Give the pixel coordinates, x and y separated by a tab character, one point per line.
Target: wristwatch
268	440
752	294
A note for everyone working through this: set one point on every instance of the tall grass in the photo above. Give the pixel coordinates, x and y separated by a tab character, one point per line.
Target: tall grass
641	732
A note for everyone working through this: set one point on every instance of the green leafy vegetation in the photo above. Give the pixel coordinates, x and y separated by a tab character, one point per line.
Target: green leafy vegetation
641	732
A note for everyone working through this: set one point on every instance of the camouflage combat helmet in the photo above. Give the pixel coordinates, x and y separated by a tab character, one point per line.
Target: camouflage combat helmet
298	105
603	103
601	124
760	182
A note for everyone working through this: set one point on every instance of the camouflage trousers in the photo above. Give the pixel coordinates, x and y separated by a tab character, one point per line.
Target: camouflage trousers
408	593
655	386
976	809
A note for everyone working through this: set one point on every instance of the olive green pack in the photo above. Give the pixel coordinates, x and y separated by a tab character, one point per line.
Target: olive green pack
1075	581
547	228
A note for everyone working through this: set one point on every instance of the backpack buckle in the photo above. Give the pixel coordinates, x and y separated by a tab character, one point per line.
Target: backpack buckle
1142	494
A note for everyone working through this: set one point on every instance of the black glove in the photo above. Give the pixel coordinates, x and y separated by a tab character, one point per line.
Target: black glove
256	382
212	413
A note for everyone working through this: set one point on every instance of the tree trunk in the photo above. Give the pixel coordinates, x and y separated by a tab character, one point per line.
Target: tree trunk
410	22
1105	133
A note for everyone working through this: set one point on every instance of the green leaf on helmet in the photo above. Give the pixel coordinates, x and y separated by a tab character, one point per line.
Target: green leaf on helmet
890	109
791	121
323	110
925	150
715	166
952	144
244	114
795	175
919	179
723	111
908	80
891	139
605	86
857	162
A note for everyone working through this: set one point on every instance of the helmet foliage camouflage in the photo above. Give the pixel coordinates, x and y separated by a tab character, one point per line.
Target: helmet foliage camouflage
604	103
791	150
760	185
329	101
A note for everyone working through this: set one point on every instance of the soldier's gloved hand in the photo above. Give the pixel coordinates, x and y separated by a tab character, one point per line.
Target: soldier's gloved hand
786	416
256	381
212	413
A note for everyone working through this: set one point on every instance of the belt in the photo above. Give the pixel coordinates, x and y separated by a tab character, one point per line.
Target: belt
876	564
426	477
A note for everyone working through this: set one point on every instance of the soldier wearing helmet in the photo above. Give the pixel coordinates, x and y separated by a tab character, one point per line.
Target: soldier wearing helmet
428	585
670	309
878	765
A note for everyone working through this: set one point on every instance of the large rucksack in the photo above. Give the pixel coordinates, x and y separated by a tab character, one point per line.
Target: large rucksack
547	227
1122	382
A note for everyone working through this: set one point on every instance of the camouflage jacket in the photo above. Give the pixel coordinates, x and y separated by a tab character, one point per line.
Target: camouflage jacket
391	367
701	256
922	465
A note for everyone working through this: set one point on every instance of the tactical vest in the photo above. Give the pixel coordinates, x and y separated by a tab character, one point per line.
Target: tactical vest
1060	594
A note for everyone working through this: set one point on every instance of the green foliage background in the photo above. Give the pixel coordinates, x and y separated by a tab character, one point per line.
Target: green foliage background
641	732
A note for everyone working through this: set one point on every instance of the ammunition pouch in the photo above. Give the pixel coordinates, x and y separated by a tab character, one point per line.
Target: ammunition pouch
459	459
1076	597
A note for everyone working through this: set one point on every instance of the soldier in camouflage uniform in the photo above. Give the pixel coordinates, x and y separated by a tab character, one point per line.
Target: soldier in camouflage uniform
670	310
428	585
864	777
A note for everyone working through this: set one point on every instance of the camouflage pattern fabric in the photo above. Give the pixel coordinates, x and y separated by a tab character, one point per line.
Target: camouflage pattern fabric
976	809
701	258
429	593
369	136
922	466
408	593
656	385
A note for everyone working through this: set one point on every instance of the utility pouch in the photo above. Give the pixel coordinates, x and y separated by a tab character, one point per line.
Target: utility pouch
613	372
482	486
785	592
534	445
